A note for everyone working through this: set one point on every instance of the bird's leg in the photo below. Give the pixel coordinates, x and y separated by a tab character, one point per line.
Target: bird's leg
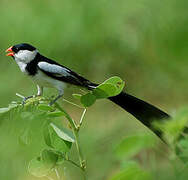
59	96
40	90
39	93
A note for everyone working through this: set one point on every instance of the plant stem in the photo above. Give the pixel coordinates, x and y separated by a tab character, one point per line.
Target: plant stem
73	103
75	164
19	95
72	123
78	166
57	174
82	117
81	159
75	130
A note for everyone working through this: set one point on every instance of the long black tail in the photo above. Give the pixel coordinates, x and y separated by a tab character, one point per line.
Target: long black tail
140	109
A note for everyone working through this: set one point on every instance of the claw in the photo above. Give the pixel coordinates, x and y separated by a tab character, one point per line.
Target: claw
53	101
50	104
25	99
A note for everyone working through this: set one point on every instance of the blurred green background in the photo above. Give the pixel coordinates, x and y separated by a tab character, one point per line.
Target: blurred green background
144	42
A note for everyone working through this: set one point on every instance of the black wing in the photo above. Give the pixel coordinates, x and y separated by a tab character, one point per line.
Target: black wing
62	73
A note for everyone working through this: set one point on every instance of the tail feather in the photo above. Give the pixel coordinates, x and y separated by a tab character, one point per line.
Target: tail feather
140	109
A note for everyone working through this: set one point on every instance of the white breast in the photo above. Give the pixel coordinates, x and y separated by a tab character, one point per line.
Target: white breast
22	66
43	80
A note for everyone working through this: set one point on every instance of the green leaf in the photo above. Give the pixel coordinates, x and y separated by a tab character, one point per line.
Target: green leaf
61	156
63	133
37	168
172	128
132	172
45	107
46	134
183	143
182	149
56	114
49	158
105	91
59	144
132	145
13	105
111	87
4	110
77	96
88	99
116	81
41	166
58	138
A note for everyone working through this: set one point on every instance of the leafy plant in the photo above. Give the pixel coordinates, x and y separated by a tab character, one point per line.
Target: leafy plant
175	134
58	139
110	87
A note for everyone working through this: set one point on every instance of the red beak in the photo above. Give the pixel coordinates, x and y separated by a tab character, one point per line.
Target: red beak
11	53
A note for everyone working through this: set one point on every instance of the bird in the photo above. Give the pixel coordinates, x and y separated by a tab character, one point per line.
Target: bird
46	72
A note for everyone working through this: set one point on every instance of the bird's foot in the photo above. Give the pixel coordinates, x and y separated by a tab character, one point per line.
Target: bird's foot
26	98
53	101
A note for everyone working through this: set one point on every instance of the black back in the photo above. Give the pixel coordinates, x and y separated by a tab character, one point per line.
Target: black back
74	78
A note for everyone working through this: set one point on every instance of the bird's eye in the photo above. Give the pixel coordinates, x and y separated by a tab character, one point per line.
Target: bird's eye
16	49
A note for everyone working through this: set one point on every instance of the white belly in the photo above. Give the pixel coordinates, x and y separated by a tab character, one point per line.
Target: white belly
43	80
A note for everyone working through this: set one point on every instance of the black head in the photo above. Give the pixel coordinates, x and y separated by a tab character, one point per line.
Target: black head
22	46
22	52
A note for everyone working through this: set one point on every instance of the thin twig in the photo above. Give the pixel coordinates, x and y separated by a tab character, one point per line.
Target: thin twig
19	95
75	132
82	117
71	121
75	164
72	162
73	103
81	159
57	174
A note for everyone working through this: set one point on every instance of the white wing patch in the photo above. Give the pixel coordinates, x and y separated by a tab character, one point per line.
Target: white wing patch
54	69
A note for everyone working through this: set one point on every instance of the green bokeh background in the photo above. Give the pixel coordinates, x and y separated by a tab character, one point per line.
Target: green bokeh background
144	42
